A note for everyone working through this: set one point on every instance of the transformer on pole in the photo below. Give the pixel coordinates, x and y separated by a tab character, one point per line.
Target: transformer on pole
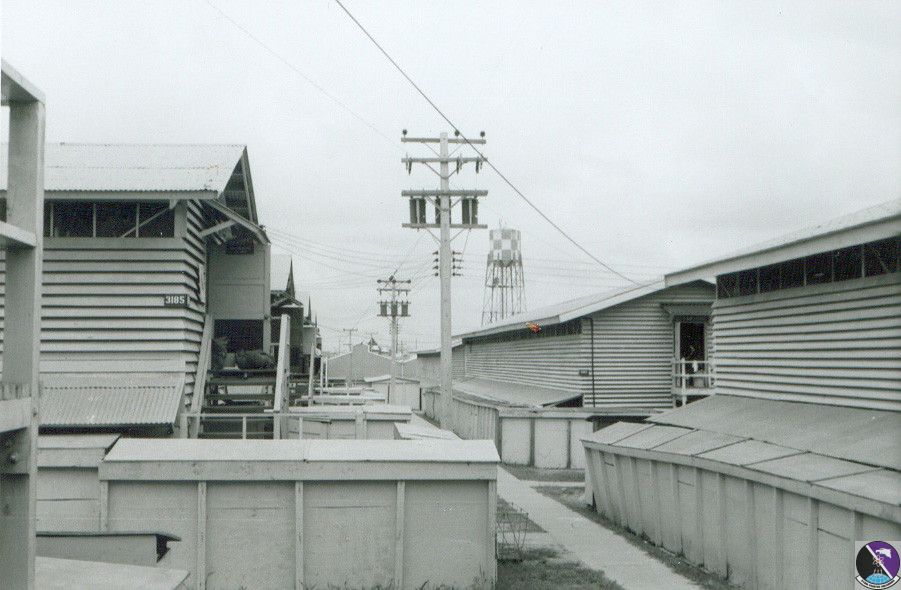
393	304
442	201
504	281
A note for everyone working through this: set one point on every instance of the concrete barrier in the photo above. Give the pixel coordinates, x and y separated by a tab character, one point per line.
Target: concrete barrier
547	437
759	530
68	491
308	513
374	421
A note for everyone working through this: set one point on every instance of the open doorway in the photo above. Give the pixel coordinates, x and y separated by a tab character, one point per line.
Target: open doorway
691	341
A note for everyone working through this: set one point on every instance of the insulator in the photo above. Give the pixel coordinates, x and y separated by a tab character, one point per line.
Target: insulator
409	164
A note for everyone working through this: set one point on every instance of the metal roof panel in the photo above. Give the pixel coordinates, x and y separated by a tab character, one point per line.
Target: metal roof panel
109	404
135	167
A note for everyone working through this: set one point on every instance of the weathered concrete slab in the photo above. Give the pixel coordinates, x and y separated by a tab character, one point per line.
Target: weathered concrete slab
617	432
697	442
51	573
747	452
649	438
809	467
882	485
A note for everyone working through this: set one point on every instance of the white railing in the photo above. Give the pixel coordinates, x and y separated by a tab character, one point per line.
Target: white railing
246	420
692	378
282	372
203	369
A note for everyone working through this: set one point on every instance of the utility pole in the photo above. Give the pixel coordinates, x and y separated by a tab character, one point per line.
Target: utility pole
443	200
393	307
350	351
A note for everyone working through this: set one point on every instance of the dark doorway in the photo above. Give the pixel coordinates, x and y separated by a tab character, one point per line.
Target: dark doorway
691	341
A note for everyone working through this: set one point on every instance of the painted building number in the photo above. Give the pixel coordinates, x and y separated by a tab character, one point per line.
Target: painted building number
175	300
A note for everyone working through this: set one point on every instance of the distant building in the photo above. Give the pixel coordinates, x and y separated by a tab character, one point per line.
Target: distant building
797	455
143	244
358	365
305	338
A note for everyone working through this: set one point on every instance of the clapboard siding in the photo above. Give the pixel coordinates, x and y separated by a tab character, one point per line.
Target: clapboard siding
102	298
633	353
838	343
634	348
546	361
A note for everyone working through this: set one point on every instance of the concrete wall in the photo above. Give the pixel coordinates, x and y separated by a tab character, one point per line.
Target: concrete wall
299	523
756	533
68	490
547	437
406	393
543	438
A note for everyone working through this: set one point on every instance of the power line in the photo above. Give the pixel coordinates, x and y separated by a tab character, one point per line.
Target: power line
299	72
462	136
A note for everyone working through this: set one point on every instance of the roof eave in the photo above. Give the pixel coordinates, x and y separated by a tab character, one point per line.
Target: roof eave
832	240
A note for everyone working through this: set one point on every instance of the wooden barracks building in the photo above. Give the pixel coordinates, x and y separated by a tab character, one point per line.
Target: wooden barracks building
143	246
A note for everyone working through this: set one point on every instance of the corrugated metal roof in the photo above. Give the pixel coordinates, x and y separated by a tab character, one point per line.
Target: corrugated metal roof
884	220
107	405
135	167
569	310
512	393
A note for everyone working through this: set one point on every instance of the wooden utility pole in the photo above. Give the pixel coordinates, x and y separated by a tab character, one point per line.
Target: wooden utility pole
350	351
443	200
394	307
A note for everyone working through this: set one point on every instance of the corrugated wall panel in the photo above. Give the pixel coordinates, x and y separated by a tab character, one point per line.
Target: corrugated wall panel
633	352
548	361
838	343
634	348
102	298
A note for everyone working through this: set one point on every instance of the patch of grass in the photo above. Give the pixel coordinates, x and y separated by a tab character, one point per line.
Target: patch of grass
544	569
536	474
572	499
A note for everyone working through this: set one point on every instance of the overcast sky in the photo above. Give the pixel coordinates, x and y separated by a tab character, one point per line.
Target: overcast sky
655	134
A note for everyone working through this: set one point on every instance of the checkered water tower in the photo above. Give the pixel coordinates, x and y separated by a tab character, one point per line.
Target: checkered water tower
504	282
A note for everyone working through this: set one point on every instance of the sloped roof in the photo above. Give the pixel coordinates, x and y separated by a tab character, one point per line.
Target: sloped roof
570	309
107	404
135	167
512	394
280	266
873	223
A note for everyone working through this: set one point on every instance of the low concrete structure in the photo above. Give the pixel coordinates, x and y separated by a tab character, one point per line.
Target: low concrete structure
407	391
545	437
52	573
347	422
68	491
301	514
134	548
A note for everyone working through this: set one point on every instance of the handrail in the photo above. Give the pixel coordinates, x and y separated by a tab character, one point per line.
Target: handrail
691	376
282	369
203	364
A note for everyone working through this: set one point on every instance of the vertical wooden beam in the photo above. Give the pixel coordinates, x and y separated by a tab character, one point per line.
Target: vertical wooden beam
656	487
399	525
104	505
813	540
633	469
201	536
752	532
22	332
699	515
569	444
721	523
491	541
620	477
674	481
778	537
298	537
